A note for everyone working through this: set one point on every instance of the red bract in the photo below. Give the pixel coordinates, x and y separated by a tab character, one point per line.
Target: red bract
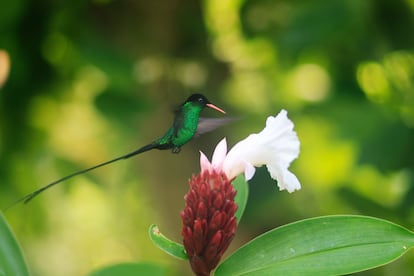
208	219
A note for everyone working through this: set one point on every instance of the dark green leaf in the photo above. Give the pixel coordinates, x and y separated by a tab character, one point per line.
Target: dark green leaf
242	188
130	269
165	244
332	245
11	258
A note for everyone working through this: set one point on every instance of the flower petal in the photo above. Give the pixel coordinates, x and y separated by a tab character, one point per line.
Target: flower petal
249	171
285	179
276	146
204	163
219	154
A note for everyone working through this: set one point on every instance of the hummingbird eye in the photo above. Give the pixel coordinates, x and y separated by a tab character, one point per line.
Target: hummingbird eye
198	98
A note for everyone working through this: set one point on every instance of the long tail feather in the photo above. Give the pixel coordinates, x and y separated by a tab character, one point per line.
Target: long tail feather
32	195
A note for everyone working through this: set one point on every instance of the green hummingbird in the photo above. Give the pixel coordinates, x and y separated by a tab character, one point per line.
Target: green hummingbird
187	124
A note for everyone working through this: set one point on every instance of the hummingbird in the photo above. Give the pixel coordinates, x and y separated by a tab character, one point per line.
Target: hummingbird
186	125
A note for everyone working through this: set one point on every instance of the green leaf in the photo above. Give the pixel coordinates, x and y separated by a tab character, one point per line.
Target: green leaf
332	245
130	269
11	258
165	244
242	189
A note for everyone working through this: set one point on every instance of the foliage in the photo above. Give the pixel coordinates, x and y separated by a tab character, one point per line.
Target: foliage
11	258
331	245
94	79
130	269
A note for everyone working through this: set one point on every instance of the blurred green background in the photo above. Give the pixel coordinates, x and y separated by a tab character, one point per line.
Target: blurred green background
91	80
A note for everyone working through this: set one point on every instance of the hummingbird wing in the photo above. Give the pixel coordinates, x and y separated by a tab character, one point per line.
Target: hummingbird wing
209	124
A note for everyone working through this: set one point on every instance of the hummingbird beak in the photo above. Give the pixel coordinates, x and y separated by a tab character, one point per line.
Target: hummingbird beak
212	106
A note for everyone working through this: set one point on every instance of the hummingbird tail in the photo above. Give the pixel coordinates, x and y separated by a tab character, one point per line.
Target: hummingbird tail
32	195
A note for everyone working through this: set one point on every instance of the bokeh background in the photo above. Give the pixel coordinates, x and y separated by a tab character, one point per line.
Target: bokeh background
91	80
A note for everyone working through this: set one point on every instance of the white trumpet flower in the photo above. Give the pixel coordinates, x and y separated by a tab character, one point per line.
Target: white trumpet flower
276	146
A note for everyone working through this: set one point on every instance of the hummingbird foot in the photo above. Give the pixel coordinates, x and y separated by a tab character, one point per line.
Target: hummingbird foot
176	150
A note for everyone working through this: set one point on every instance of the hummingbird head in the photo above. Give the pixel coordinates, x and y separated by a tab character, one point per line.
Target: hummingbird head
202	101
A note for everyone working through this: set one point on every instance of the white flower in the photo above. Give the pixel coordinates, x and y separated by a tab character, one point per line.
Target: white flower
276	146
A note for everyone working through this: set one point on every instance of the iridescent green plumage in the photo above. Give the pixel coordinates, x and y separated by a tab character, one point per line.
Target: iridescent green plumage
187	123
184	126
